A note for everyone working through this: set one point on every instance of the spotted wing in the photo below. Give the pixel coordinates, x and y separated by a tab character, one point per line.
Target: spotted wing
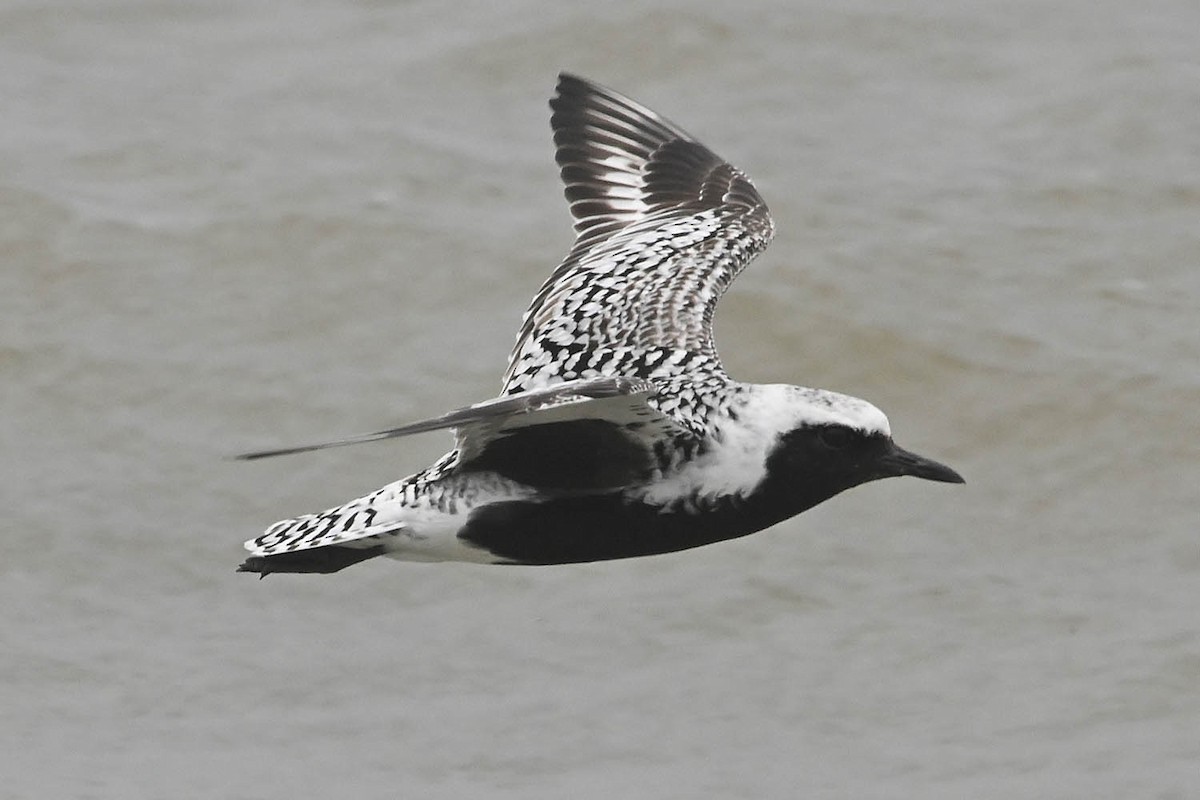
663	227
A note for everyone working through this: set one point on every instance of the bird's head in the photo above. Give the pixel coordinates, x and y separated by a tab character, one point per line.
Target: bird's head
833	442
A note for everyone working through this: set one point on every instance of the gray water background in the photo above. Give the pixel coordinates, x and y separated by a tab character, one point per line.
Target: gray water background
234	225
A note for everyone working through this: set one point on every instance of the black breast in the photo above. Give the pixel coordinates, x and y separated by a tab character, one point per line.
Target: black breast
601	522
597	527
574	529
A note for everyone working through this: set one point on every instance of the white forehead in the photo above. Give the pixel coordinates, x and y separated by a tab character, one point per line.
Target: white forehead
797	406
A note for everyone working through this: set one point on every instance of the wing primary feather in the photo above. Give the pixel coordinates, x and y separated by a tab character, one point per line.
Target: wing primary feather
495	409
663	225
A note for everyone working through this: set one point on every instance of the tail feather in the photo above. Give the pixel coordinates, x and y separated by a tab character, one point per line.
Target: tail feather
321	559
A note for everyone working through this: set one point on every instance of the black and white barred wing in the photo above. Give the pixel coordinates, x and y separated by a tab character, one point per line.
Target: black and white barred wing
582	436
663	227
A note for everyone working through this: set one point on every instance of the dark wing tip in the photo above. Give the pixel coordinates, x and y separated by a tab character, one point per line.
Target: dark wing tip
622	162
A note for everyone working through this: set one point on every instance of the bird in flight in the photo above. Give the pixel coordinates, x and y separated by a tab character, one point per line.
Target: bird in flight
617	432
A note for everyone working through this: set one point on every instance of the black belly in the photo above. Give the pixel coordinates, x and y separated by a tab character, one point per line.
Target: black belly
602	527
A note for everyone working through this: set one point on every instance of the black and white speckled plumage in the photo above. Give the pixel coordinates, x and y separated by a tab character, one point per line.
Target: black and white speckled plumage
663	227
617	432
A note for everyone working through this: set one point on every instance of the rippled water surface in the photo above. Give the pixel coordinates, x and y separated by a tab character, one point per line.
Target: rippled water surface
226	226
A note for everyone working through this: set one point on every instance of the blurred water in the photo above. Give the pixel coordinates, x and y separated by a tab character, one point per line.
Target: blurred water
225	226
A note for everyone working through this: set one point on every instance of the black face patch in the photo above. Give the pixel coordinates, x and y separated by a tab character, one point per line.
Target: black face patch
578	454
832	457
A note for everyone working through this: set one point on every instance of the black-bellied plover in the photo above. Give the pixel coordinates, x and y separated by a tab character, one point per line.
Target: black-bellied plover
617	432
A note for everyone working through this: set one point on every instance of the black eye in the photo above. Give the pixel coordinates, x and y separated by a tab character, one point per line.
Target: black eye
835	437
